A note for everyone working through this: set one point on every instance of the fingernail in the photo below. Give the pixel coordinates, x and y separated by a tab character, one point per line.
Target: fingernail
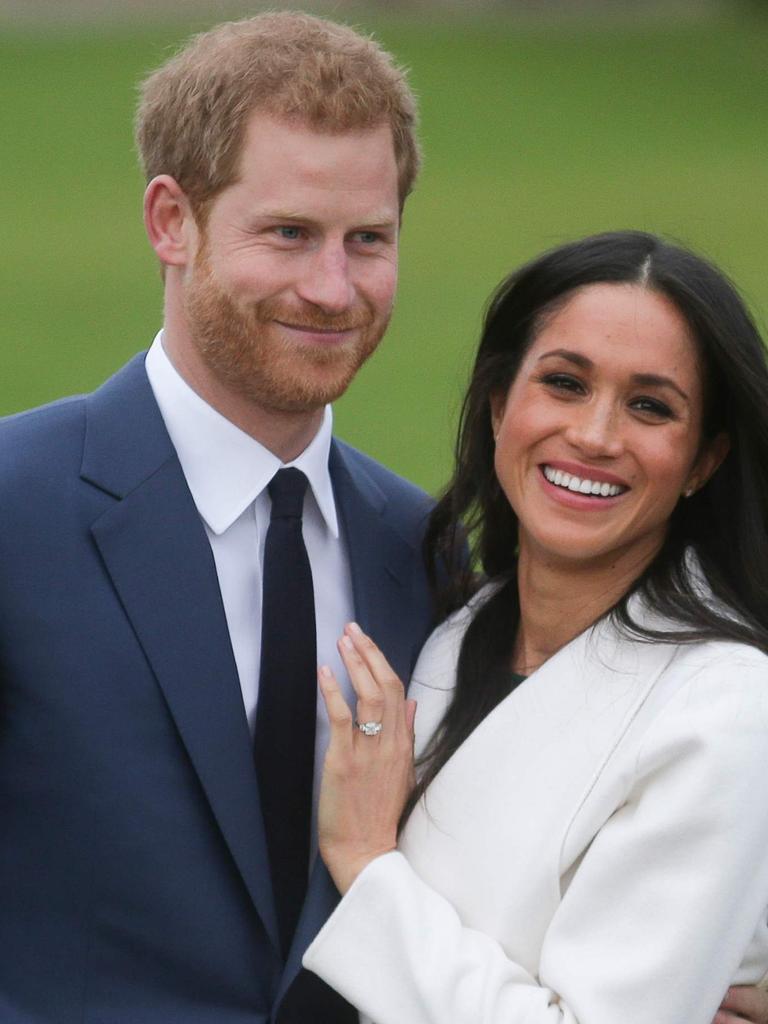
346	642
354	628
324	672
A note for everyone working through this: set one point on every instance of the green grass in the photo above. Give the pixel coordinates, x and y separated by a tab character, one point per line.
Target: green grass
532	136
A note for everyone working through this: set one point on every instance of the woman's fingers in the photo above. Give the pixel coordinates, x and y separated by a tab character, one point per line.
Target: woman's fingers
379	691
339	715
371	705
387	704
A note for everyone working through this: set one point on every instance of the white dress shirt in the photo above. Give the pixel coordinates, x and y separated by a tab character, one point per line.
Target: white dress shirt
228	472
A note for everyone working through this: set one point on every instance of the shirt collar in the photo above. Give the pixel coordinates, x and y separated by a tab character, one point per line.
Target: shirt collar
225	468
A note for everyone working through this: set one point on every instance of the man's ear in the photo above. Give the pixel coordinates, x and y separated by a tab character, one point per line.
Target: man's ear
169	221
708	463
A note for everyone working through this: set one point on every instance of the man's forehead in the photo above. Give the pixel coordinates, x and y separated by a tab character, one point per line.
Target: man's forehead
280	159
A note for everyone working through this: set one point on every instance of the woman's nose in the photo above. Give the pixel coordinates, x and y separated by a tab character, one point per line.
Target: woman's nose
595	430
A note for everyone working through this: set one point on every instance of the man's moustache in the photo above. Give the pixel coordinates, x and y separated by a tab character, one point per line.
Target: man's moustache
315	321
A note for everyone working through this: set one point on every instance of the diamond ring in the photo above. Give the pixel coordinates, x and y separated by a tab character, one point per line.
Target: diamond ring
369	728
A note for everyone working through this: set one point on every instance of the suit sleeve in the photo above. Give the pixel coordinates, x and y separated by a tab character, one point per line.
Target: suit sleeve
654	923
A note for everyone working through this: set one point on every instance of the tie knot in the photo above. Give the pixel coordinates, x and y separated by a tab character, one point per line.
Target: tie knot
286	490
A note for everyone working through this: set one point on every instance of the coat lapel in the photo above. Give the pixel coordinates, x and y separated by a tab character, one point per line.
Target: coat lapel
157	554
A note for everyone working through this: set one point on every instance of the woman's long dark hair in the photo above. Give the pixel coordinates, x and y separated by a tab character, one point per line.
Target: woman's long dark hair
725	523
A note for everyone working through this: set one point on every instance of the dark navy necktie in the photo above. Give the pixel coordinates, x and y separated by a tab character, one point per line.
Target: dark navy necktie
284	743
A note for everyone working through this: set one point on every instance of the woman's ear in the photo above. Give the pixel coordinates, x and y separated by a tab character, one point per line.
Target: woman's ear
169	221
498	403
707	463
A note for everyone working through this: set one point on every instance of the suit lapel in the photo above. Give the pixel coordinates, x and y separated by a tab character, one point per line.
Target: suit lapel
381	562
158	557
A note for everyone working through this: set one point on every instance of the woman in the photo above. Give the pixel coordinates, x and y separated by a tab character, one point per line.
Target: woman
587	839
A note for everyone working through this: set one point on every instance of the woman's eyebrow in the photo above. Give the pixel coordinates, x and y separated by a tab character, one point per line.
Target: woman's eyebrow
572	357
656	380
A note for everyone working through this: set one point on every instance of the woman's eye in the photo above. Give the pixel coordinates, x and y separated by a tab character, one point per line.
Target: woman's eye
563	382
652	407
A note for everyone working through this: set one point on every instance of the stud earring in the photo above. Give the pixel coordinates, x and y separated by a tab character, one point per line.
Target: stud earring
687	493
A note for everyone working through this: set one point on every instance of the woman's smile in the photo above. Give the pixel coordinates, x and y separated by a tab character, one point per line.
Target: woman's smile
582	481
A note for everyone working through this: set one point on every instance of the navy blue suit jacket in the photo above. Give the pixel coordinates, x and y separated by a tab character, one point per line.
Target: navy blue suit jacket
133	871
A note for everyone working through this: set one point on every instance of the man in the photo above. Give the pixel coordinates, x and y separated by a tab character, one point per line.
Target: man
156	856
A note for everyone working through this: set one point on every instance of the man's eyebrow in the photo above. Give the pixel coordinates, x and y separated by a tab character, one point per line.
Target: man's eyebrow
648	380
280	215
378	219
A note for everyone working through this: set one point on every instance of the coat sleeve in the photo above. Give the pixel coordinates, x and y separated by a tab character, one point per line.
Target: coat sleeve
654	923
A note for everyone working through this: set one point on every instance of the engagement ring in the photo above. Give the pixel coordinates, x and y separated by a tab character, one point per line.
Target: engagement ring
369	728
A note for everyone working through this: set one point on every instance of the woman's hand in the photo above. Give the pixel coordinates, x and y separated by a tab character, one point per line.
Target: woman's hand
367	778
743	1003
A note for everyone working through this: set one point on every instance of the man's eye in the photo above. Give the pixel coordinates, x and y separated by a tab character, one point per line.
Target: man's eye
368	237
652	407
289	232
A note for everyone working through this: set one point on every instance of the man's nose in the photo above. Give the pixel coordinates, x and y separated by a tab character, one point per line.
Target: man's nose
326	279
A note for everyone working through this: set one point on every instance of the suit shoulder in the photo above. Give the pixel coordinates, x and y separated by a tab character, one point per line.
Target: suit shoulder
43	418
41	437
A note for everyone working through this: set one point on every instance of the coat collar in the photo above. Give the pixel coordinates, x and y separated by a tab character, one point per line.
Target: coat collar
125	437
605	664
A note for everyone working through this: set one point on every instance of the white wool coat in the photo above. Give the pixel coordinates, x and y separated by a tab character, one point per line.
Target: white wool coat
595	852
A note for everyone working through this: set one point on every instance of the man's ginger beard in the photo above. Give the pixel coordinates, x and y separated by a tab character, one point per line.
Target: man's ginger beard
252	356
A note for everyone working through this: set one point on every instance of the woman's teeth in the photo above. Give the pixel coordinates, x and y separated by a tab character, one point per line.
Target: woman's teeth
582	485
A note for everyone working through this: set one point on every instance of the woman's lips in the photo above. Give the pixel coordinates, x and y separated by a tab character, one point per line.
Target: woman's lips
591	482
589	486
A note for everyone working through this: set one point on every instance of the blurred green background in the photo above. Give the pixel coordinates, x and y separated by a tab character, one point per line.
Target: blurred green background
536	130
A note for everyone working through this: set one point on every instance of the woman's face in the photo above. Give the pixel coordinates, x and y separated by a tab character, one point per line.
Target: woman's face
599	435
